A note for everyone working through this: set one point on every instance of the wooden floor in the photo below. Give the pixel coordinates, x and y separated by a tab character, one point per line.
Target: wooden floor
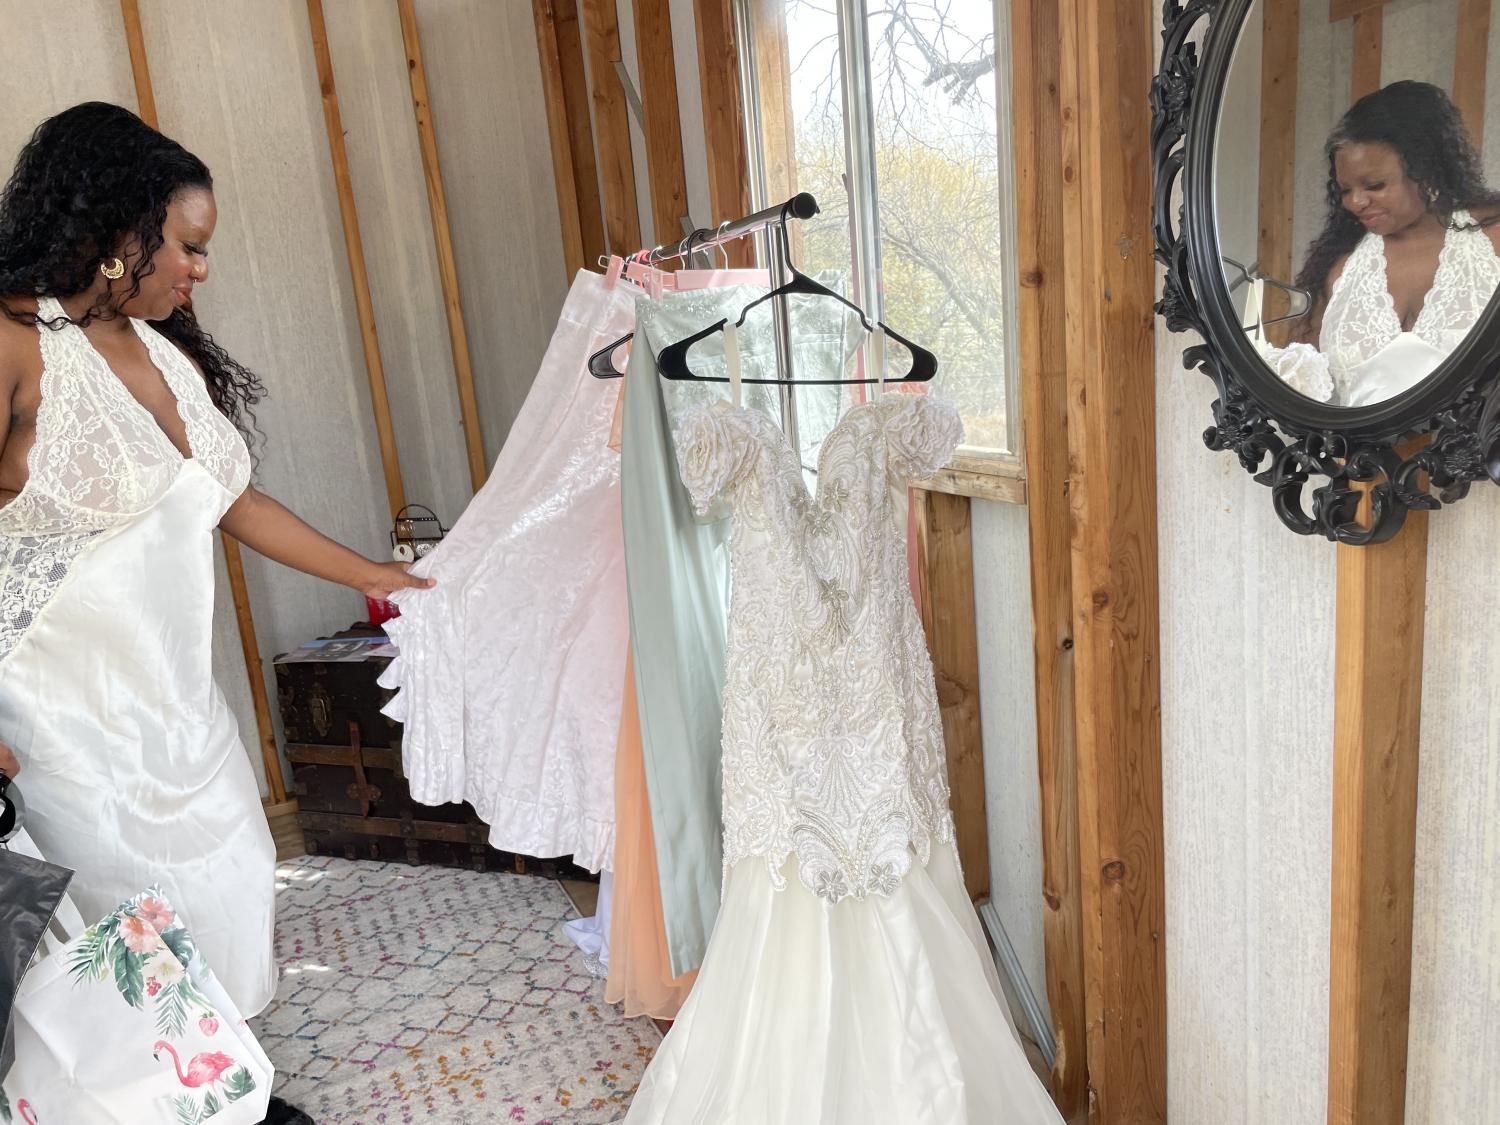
585	895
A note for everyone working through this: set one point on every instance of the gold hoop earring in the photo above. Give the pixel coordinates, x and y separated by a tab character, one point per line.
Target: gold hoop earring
114	269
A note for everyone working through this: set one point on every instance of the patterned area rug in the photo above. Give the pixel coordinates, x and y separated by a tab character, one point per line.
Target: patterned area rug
441	996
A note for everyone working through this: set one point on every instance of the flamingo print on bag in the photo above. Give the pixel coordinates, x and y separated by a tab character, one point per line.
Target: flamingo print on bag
23	1107
202	1070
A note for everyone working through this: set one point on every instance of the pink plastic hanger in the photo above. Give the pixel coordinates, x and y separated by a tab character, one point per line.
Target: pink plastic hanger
654	281
613	271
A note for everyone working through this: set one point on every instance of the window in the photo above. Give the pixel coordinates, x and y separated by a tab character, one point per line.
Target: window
887	112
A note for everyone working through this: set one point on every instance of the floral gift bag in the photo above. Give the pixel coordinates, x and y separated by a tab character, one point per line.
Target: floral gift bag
124	1024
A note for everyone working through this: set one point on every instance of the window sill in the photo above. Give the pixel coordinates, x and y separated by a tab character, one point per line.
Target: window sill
981	478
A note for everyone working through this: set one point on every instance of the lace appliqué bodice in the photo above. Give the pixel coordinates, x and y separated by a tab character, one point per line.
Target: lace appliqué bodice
833	745
1361	319
99	459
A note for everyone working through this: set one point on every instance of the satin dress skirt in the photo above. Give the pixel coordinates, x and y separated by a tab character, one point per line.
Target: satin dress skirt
878	1011
133	768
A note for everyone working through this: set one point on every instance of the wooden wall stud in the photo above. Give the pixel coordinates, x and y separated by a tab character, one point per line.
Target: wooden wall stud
1042	329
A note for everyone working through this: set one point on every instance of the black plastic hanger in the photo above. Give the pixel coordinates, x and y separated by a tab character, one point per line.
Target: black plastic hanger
602	362
1247	274
672	362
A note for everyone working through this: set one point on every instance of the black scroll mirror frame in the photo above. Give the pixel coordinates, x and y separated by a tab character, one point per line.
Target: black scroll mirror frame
1285	439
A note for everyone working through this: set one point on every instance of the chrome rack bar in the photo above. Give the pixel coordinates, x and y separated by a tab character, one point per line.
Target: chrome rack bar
800	206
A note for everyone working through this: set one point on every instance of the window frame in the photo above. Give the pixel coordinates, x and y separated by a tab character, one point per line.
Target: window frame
985	474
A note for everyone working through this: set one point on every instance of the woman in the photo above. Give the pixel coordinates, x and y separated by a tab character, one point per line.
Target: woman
122	445
1407	258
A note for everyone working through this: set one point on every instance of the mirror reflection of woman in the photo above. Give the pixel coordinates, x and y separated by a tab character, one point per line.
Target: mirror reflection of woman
1408	256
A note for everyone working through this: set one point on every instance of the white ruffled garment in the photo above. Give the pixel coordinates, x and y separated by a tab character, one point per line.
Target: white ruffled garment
511	669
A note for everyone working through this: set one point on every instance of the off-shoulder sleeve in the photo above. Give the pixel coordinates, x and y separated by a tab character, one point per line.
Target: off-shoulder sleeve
716	449
1303	368
921	435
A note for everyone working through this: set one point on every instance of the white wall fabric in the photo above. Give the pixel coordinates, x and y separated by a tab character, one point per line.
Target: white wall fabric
1453	1073
1454	1065
690	108
44	71
1324	75
1247	634
690	120
487	107
385	165
1247	730
1417	41
625	11
1007	711
237	85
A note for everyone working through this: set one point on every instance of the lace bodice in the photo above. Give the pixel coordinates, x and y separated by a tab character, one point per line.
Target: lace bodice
99	459
1361	320
833	746
1361	317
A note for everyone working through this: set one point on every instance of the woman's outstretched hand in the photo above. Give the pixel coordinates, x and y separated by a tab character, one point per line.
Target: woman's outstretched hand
264	525
386	578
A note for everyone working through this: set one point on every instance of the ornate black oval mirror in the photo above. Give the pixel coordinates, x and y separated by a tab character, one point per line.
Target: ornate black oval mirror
1338	256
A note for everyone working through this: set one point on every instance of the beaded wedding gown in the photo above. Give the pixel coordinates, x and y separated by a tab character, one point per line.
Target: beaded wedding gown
847	980
134	770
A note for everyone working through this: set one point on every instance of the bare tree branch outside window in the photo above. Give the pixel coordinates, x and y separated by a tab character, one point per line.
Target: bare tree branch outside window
939	177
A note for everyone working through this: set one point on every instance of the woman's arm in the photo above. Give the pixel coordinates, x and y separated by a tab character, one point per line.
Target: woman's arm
270	529
265	526
1310	328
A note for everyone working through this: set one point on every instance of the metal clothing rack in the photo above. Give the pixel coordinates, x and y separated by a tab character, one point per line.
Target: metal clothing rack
800	206
770	222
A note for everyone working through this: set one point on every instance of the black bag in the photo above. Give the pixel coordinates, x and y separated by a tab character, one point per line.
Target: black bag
30	891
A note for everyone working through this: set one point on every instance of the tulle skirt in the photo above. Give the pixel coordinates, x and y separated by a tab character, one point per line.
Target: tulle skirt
883	1011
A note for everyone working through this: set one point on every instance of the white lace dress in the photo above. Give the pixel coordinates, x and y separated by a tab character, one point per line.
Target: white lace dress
1363	354
134	770
512	668
847	981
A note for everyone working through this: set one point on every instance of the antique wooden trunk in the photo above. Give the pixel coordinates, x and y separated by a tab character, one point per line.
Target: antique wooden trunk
345	756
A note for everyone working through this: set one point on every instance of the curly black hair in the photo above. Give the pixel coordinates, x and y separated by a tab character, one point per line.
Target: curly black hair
1423	125
88	178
